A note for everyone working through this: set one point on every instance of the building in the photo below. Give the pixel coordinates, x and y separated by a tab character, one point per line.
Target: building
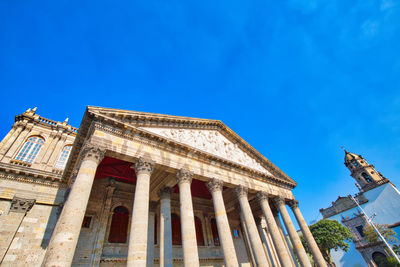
379	198
140	189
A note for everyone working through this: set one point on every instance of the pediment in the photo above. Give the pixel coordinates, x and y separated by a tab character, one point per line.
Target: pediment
209	141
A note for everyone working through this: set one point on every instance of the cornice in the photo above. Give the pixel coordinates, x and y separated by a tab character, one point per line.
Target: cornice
29	175
126	119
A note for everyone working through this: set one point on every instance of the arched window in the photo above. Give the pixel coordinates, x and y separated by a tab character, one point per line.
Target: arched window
367	177
62	160
199	231
30	149
379	258
119	225
176	230
214	230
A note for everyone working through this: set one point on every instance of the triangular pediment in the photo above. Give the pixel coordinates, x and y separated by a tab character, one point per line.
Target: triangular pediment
208	136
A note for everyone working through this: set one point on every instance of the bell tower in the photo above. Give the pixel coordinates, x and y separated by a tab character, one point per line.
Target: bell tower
364	173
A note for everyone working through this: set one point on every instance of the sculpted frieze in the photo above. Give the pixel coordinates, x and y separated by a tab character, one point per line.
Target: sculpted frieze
209	141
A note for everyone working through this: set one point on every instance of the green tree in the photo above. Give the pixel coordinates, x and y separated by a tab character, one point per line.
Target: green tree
329	234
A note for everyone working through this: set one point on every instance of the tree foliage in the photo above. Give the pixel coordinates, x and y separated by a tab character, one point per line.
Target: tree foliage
384	229
329	234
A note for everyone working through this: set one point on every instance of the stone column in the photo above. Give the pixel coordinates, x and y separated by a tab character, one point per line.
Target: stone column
150	234
317	255
166	255
137	249
61	249
224	231
255	241
283	255
264	241
101	231
9	138
294	237
18	140
189	241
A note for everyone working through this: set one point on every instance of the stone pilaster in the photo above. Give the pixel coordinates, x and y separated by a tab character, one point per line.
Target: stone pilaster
283	255
166	255
63	242
255	241
294	237
215	186
317	255
137	250
189	241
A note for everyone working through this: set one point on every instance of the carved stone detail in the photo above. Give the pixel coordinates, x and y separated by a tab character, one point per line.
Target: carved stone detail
210	141
279	201
241	191
261	195
294	204
152	206
215	185
92	152
144	165
165	192
184	176
21	205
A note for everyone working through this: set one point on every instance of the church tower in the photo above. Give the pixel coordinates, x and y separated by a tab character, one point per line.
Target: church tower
364	173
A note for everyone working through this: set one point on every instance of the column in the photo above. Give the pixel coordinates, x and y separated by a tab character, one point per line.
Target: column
18	140
224	231
150	234
61	249
5	144
264	240
283	255
286	241
101	232
166	256
259	254
137	249
294	237
189	241
317	255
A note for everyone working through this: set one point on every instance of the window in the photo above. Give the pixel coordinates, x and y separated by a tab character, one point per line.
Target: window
176	230
214	230
355	163
62	160
235	233
86	221
30	149
199	231
119	225
360	230
367	177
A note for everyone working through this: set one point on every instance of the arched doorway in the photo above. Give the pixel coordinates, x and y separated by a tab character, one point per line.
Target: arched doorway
380	259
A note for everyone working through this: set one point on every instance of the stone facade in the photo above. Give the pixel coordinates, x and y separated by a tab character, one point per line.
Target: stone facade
141	189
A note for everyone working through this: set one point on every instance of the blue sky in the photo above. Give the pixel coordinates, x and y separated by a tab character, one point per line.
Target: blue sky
296	79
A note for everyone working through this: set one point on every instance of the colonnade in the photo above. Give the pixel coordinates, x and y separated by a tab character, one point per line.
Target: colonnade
62	245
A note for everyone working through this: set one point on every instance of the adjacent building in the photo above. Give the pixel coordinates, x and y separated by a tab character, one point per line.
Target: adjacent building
379	198
139	189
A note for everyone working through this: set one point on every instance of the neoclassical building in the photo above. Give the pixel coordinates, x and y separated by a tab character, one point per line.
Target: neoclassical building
139	189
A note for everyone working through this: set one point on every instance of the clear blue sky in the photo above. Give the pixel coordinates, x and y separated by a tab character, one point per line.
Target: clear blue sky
296	79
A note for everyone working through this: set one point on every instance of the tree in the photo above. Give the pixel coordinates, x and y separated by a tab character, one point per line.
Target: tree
329	234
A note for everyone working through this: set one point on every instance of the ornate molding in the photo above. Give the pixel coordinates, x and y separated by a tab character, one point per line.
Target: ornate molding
215	185
165	192
92	152
279	201
294	204
21	205
144	165
184	176
241	191
261	196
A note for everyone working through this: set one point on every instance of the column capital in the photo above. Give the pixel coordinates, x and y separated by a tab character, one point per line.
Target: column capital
152	206
215	185
184	176
294	204
165	192
261	195
258	220
279	201
92	152
144	165
241	191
